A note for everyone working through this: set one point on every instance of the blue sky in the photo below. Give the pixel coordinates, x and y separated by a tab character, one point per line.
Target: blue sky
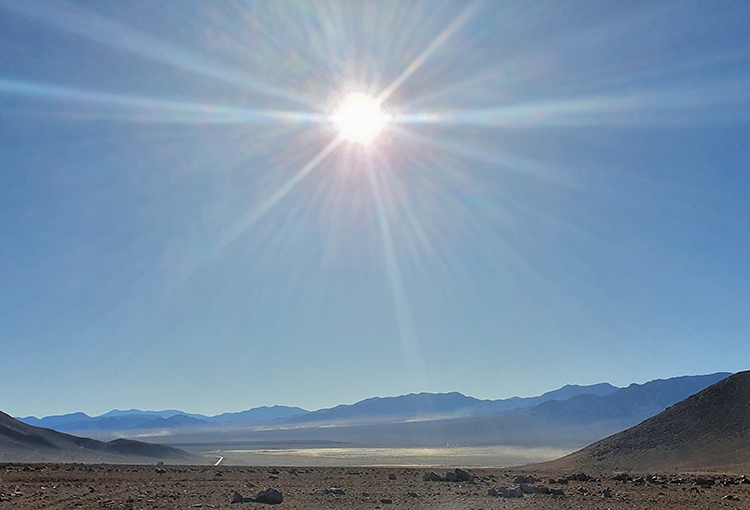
560	196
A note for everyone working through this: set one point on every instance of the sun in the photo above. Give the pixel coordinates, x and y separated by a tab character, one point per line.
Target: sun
359	118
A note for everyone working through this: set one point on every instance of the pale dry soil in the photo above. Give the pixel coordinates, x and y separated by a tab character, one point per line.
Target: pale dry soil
184	487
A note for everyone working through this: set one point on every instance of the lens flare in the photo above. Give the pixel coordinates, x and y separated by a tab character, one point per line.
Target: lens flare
359	118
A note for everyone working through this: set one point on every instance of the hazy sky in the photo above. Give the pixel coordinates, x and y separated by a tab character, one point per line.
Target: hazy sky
560	196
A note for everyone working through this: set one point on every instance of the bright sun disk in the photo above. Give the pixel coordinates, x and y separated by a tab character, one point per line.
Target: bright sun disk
359	118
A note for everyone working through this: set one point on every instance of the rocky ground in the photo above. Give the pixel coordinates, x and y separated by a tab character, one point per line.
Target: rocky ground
135	487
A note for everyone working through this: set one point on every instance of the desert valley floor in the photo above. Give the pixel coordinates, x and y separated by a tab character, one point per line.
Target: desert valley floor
171	487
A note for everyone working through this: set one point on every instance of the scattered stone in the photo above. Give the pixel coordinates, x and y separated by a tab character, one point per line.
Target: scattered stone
704	482
730	497
557	492
269	497
237	498
526	488
525	479
607	493
505	492
451	477
336	491
514	492
161	471
391	476
432	477
622	477
463	476
583	477
386	501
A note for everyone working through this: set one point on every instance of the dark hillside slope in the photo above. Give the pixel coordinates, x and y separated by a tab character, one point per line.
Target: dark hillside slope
20	442
708	430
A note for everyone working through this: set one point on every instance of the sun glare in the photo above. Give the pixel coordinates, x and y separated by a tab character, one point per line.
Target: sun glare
359	118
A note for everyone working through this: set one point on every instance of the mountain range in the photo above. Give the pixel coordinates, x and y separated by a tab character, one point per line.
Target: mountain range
135	419
570	417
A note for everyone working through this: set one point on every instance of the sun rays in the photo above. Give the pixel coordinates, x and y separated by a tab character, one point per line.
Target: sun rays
436	115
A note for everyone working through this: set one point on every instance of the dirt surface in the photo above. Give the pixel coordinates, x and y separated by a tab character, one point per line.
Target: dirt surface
136	487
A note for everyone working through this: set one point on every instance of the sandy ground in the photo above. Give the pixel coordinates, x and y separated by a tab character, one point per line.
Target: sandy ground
172	487
472	457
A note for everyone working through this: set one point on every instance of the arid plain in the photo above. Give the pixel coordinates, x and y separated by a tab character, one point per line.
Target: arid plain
180	487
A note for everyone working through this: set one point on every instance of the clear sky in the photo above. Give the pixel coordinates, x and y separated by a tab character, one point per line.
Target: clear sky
559	195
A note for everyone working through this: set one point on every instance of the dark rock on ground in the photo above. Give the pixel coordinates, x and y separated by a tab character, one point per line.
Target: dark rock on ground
269	497
432	477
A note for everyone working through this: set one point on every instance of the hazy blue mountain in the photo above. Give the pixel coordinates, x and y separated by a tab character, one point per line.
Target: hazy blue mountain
439	405
135	419
573	423
630	405
259	414
571	415
53	422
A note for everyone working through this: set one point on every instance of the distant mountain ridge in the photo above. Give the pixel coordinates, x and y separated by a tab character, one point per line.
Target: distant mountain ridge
569	417
439	405
135	419
572	423
404	407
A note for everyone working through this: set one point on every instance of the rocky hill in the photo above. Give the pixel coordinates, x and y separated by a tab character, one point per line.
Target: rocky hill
20	442
708	430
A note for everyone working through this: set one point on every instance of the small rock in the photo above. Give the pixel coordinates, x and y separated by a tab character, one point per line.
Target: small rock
514	492
336	491
607	493
269	497
432	477
462	475
525	479
622	477
526	488
391	476
703	481
730	497
557	492
413	495
386	501
493	493
161	471
451	477
237	498
582	477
